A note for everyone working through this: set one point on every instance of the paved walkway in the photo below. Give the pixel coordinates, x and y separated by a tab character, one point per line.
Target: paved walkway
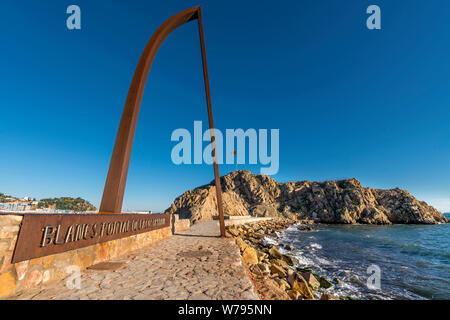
194	264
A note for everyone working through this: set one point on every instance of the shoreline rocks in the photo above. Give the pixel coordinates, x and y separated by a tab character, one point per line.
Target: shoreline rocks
341	201
269	266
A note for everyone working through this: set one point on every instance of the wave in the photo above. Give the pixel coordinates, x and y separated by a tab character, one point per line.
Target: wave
315	246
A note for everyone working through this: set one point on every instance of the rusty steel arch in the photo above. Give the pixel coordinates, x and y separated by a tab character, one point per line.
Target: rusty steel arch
118	169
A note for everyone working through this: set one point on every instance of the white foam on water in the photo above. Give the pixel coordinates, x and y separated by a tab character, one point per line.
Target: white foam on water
303	261
324	261
269	240
291	228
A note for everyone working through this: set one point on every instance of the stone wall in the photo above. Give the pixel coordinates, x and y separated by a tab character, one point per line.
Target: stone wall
27	274
180	224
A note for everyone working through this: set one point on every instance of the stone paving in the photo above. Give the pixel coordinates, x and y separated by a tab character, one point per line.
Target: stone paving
195	264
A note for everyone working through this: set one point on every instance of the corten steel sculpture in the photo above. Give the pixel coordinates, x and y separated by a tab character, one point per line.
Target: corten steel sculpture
118	168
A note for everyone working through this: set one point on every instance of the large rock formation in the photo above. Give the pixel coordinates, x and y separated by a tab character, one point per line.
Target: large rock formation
342	201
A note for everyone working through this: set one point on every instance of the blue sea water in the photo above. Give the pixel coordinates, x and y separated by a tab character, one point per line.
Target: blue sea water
414	260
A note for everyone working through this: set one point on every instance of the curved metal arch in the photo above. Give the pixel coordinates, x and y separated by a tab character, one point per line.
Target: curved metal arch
118	169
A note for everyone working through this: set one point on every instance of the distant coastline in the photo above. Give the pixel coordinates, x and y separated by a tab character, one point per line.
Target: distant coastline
49	205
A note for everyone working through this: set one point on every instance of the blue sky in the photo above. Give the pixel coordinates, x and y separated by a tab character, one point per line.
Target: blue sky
349	102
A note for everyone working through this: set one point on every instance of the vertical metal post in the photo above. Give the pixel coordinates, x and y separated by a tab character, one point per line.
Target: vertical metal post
211	126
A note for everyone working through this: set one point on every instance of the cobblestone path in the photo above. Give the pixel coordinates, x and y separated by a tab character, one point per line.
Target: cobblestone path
195	264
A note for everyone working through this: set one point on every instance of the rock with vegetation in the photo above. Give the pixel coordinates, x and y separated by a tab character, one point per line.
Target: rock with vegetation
66	203
6	198
324	283
341	201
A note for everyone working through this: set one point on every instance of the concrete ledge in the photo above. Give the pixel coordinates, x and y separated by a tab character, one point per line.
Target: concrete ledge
180	224
236	220
232	217
246	220
240	217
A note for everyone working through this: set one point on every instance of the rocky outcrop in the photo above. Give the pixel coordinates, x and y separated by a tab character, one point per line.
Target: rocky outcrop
342	201
269	264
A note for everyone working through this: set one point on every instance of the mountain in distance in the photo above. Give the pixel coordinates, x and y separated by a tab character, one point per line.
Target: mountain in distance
66	203
342	201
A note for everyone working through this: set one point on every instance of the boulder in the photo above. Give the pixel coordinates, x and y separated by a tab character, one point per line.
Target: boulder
274	253
289	260
249	255
233	232
256	270
264	267
290	272
302	287
324	283
261	255
283	284
241	244
291	277
294	295
304	270
311	280
280	263
303	227
277	270
328	296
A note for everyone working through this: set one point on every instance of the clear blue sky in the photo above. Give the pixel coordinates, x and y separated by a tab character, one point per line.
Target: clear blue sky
349	102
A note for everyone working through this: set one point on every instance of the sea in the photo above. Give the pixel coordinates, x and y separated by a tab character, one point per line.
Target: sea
377	262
